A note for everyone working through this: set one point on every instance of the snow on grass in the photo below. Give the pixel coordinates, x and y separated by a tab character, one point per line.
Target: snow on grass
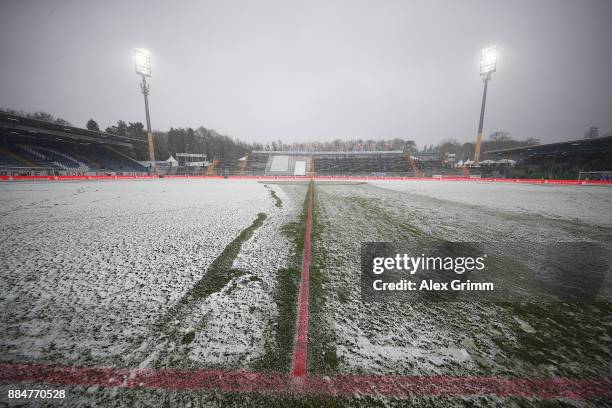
88	267
588	204
450	338
228	318
365	333
115	274
239	319
236	322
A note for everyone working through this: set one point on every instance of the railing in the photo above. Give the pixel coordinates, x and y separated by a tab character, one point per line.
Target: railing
304	178
28	171
50	171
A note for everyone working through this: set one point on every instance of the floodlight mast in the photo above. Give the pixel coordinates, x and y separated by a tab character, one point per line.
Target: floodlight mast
142	65
488	65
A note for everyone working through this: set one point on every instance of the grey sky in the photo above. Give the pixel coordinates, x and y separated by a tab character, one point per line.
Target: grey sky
315	70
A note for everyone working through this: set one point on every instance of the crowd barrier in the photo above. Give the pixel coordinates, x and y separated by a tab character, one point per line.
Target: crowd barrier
320	178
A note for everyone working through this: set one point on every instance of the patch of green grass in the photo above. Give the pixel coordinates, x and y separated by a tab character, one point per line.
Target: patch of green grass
279	351
277	201
220	272
188	338
322	358
565	333
408	230
277	356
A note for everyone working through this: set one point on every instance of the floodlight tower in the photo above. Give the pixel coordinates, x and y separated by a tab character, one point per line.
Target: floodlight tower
488	65
142	65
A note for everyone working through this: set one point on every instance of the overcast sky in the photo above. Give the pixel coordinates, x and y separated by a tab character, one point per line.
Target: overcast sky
315	70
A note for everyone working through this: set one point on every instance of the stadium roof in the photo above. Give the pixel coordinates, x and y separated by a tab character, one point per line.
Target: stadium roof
599	144
20	126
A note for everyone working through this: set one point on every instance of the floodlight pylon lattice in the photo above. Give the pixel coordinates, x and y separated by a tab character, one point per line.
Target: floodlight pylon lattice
142	66
488	65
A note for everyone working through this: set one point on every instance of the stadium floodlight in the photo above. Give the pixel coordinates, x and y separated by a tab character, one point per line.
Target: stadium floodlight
488	60
488	65
142	62
142	65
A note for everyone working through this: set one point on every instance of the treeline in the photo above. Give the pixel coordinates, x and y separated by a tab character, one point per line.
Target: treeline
200	140
495	141
179	140
218	146
342	145
463	151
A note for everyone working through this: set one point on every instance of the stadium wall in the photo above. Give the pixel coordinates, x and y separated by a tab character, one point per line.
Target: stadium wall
317	178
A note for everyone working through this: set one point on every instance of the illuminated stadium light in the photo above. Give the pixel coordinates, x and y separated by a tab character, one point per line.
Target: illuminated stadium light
488	60
142	65
488	65
142	62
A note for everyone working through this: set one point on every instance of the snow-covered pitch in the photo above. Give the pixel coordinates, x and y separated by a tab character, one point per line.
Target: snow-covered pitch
195	274
91	269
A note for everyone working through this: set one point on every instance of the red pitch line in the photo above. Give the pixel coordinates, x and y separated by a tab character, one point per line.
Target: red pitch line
248	382
299	363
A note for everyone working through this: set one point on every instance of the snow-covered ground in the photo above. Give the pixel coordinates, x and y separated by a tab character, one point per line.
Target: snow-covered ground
234	326
88	268
114	274
459	338
590	204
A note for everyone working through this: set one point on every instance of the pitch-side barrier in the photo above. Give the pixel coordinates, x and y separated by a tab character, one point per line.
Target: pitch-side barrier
306	178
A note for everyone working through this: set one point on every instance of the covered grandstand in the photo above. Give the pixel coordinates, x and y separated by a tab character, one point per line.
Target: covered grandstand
564	160
393	163
34	147
302	163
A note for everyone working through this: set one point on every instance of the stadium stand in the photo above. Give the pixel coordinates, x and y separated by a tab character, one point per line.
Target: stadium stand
328	163
563	160
388	163
33	147
324	163
257	163
229	167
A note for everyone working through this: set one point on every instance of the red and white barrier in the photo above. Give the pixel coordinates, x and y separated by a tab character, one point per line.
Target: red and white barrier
318	178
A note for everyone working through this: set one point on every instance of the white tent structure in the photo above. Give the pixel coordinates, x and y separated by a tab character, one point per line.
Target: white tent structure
172	161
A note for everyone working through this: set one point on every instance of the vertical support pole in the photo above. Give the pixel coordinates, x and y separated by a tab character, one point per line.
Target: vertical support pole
481	122
145	91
